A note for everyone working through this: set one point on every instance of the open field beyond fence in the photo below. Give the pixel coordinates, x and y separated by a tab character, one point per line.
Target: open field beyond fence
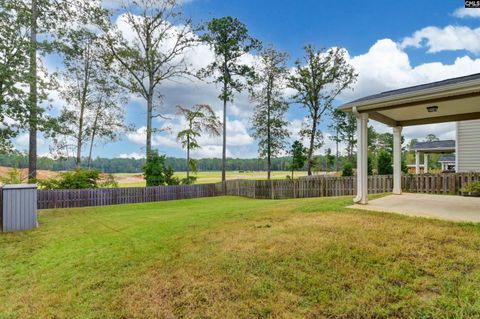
205	177
257	189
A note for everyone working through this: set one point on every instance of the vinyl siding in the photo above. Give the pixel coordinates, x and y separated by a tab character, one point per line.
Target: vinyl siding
468	146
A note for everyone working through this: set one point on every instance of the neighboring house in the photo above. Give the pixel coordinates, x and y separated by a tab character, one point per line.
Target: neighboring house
468	146
462	155
434	147
447	162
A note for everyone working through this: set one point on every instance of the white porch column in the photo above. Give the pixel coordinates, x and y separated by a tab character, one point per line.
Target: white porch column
362	158
397	160
425	163
417	162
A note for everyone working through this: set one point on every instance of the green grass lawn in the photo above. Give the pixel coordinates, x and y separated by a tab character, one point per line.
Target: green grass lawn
229	257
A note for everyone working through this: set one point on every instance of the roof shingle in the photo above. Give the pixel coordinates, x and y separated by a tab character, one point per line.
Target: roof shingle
434	144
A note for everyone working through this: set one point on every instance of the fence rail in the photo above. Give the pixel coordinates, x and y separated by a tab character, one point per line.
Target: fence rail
260	189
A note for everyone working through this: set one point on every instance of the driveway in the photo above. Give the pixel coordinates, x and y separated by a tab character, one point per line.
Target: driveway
447	207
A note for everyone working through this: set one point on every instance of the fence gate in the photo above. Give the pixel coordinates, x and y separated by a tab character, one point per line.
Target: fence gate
19	207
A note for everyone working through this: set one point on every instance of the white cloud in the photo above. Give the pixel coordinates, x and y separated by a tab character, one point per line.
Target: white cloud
191	91
386	67
23	140
467	13
451	38
444	131
211	151
239	140
296	125
134	155
117	4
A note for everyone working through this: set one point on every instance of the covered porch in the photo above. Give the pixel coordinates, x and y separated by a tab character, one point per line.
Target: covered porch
447	207
451	100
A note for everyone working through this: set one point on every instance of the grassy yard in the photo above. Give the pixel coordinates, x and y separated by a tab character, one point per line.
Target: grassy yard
136	179
231	257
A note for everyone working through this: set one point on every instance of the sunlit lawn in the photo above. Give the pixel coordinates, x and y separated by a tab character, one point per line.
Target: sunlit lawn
229	257
136	179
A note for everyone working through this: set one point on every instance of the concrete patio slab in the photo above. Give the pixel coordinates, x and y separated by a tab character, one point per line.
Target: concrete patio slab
447	207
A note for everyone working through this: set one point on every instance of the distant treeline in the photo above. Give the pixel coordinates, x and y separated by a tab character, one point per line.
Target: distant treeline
130	165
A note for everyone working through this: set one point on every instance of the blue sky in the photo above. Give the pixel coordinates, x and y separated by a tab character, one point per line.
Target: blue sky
391	45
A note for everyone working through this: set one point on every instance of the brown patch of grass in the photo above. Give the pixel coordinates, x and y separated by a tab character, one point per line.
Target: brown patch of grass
41	174
344	265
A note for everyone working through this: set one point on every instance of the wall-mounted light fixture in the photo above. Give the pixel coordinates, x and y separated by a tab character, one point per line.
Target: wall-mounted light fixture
432	109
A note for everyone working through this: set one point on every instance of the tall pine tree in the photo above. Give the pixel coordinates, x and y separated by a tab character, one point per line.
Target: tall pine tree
268	121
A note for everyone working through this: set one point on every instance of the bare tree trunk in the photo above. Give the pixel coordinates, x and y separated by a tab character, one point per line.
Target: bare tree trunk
269	150
224	150
149	123
83	100
310	149
188	157
337	155
94	131
32	149
90	150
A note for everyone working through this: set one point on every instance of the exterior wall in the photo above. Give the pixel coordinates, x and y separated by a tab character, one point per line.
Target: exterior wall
468	146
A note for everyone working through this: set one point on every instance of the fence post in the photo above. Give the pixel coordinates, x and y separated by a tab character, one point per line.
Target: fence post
272	195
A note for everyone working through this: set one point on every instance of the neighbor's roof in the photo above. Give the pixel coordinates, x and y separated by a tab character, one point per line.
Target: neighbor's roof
443	145
415	88
447	158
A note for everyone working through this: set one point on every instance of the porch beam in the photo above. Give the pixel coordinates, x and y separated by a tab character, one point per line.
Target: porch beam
382	118
441	119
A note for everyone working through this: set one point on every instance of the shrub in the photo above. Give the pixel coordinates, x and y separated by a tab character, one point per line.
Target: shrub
473	187
156	173
13	176
188	180
404	167
109	181
369	166
384	163
347	169
77	179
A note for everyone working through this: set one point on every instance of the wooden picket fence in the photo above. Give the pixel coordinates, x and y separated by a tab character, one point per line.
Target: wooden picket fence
450	184
322	186
126	195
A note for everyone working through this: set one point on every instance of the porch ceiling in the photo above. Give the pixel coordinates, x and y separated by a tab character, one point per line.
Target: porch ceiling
456	99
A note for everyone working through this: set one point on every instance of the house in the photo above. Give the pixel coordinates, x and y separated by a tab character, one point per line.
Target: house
466	146
447	162
432	147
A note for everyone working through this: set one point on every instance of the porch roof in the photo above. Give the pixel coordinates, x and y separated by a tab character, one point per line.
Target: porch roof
455	99
447	158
